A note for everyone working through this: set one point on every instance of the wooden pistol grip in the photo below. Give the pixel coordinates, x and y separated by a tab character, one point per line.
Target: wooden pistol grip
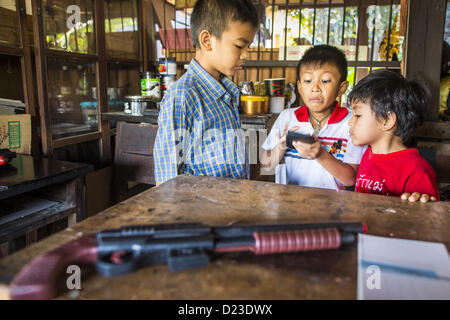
41	278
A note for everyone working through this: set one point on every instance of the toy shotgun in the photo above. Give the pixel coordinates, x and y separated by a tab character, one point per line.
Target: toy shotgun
182	246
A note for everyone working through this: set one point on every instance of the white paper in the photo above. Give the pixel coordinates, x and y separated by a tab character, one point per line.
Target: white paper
391	268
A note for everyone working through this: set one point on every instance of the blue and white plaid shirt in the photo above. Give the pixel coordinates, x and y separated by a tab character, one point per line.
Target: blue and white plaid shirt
199	128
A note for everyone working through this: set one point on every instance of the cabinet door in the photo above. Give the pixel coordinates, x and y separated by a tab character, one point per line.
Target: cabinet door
9	27
72	91
121	29
69	25
11	82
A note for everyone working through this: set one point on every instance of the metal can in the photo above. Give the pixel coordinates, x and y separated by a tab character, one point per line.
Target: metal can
136	105
166	82
167	66
247	88
150	85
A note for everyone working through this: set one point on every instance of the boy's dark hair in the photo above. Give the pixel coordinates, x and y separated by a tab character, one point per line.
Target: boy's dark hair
321	54
215	15
386	91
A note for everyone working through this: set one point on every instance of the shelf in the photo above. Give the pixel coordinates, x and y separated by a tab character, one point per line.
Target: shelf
151	116
70	55
11	50
293	63
62	129
34	221
61	142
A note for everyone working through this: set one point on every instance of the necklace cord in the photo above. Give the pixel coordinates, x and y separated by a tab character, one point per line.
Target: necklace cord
319	122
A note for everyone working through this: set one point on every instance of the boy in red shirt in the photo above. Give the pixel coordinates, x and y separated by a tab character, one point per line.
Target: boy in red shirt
386	110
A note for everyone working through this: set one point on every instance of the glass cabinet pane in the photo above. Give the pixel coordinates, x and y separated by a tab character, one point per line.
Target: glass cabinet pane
382	31
9	28
69	25
123	80
72	97
121	28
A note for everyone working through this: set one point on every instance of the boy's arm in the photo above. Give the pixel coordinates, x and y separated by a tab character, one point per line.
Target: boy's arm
344	172
166	152
270	158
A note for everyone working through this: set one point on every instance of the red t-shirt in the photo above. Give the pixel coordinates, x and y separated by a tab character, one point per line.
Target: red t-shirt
395	173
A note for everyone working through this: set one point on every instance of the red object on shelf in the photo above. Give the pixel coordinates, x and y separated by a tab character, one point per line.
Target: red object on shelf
6	156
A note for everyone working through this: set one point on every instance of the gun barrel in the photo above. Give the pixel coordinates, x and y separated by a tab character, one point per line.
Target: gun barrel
248	230
268	242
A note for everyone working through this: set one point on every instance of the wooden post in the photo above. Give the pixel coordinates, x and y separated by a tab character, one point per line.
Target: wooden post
27	75
31	237
105	141
4	249
75	195
163	20
142	9
72	220
150	34
41	77
424	47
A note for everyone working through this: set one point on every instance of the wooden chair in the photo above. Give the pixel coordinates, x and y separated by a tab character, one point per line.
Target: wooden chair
133	160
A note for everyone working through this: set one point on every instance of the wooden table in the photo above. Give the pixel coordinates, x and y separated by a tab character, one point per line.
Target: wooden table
314	275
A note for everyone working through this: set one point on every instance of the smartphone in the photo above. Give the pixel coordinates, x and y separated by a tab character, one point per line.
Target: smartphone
294	136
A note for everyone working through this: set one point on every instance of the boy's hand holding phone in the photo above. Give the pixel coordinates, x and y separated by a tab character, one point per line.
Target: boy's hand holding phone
282	140
307	146
308	150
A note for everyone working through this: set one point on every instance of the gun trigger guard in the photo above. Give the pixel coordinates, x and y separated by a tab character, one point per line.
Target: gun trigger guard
117	263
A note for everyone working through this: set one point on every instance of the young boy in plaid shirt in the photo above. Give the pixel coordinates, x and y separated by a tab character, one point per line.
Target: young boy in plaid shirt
199	125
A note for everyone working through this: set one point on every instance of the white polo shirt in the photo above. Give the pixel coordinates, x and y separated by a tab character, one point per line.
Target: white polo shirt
334	137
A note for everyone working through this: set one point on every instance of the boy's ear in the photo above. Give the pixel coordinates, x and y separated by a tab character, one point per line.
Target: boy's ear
390	122
342	88
205	40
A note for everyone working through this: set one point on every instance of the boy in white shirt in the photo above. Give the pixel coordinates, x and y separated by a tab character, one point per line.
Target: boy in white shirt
332	160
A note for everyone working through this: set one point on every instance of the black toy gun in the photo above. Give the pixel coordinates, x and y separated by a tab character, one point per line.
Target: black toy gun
182	246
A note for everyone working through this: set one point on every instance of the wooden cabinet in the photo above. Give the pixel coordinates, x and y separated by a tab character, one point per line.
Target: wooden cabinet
16	69
37	194
72	61
80	49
